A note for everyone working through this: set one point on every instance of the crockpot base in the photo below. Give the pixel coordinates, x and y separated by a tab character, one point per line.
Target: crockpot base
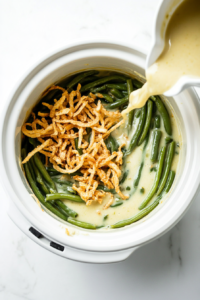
62	250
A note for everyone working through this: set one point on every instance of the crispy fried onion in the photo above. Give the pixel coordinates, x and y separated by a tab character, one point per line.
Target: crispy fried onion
72	117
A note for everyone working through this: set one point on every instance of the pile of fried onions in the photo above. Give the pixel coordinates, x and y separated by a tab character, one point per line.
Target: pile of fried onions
68	119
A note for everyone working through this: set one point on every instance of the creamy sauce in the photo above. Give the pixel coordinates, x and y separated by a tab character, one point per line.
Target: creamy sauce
95	212
181	55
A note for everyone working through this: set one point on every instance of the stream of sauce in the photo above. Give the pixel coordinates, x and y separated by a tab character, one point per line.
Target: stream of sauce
181	55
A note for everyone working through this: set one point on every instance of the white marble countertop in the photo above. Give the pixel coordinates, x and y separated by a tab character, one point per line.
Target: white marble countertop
168	268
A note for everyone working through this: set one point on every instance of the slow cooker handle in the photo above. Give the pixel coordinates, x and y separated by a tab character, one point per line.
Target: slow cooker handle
63	250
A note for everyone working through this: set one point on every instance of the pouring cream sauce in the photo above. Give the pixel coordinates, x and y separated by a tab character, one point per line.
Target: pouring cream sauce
181	55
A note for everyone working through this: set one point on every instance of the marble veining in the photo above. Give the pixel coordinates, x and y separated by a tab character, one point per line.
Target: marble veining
174	244
167	268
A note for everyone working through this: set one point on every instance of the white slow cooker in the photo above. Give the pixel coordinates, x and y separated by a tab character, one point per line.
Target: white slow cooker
45	229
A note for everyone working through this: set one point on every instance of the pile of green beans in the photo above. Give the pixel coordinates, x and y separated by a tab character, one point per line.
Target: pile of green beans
44	188
114	91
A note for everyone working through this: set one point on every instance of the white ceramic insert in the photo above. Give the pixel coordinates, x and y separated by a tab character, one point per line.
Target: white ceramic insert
94	246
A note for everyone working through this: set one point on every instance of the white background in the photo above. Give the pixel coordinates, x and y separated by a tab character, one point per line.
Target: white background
168	268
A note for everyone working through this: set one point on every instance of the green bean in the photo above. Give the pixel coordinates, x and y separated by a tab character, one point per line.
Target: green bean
54	204
113	143
52	170
165	161
108	145
146	142
78	173
80	151
70	190
37	192
125	93
137	83
82	224
124	176
157	121
89	136
38	177
138	175
105	189
88	79
138	216
129	86
123	151
153	98
157	179
55	211
170	181
63	83
139	172
47	98
68	210
64	196
116	93
98	89
131	113
79	77
106	97
31	167
134	140
118	203
154	111
137	112
169	159
44	173
100	81
42	169
168	139
153	169
164	114
152	123
142	190
155	144
63	188
53	173
105	217
58	179
147	122
44	189
119	86
123	107
117	103
88	129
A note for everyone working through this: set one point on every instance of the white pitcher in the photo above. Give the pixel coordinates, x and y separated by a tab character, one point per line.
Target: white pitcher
163	14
